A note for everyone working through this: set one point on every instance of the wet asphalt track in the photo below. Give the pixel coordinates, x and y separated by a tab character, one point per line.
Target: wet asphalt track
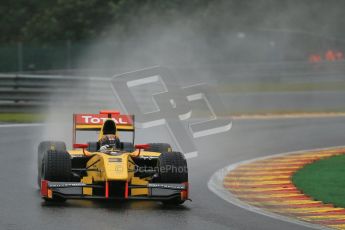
22	208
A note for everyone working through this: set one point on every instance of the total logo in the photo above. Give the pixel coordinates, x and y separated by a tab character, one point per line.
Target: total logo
100	120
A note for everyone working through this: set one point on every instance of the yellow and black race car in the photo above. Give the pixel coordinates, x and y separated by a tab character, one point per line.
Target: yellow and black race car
110	168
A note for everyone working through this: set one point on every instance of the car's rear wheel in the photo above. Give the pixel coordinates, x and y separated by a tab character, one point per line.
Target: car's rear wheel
159	147
172	168
56	166
43	147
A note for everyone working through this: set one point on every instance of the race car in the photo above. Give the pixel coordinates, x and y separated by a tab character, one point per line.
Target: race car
110	168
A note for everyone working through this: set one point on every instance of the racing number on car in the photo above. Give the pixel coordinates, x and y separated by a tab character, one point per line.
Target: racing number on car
174	105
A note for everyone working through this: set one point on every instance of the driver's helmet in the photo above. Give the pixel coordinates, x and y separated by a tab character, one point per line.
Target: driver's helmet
108	140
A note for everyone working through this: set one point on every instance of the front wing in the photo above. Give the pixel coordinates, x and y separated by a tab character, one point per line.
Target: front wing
74	190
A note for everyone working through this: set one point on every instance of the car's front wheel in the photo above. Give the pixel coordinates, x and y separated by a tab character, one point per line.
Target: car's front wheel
56	166
172	168
43	147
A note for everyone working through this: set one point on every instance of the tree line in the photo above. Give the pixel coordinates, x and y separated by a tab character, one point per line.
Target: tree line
75	20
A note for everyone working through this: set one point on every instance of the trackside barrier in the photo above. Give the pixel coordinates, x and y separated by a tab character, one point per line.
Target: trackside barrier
32	92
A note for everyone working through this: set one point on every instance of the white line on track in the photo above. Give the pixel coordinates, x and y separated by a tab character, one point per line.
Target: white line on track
20	125
287	116
215	184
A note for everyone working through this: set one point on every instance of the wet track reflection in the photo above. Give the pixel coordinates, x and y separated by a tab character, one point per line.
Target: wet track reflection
22	207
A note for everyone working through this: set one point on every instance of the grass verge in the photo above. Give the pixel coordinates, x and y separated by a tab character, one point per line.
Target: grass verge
323	180
22	117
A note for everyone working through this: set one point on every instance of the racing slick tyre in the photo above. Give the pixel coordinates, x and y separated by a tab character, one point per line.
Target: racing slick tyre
172	168
56	166
43	147
159	147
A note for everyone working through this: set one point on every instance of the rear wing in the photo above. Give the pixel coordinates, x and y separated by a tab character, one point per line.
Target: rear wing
94	122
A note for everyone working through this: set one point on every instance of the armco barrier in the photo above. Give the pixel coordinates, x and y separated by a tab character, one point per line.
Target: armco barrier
29	93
